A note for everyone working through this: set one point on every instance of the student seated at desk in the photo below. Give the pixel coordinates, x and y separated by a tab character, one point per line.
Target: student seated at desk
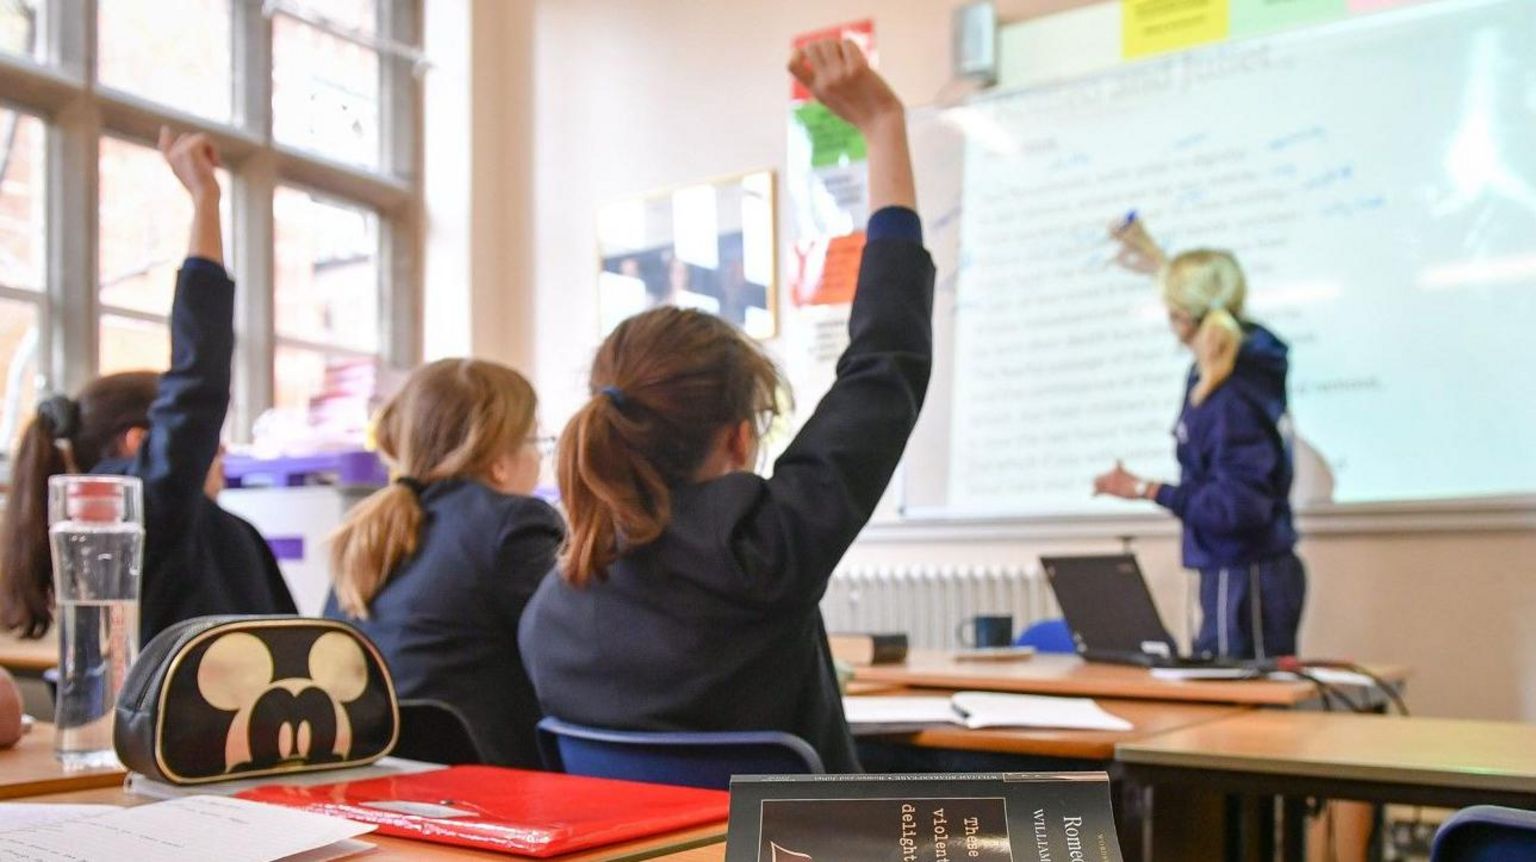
164	429
437	567
689	589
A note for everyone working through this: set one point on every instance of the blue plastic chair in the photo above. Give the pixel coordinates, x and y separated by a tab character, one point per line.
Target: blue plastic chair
1486	833
690	759
1048	636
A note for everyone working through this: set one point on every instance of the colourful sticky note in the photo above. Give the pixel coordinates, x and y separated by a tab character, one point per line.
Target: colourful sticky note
833	141
1158	26
1251	17
828	270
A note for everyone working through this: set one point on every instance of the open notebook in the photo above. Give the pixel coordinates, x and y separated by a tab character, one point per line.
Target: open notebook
981	709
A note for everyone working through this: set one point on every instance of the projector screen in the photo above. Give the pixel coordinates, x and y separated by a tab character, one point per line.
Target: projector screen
1376	178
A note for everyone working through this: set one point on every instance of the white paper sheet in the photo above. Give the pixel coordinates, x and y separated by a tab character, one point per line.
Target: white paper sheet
19	815
981	709
192	829
992	709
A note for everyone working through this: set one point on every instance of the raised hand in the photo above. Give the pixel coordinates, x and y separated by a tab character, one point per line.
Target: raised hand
193	159
839	76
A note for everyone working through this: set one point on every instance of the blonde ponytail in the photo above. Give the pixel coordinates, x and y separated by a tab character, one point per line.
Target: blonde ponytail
1208	286
453	419
379	533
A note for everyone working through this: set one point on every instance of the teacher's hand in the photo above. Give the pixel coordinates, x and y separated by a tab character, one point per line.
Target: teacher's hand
1119	482
1138	251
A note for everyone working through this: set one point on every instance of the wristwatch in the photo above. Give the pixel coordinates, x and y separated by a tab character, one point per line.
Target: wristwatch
1143	488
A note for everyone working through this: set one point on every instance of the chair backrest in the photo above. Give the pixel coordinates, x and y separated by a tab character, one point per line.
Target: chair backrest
691	759
435	732
1486	833
1048	636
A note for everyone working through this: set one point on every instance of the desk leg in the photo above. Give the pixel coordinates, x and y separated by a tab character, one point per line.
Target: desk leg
1235	817
1294	821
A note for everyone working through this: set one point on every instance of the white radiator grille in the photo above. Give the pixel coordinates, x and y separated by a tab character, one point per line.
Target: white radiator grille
929	602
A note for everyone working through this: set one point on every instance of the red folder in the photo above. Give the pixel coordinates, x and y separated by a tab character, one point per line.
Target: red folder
507	810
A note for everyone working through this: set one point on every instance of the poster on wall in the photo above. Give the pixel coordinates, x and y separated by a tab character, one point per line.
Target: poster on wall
706	245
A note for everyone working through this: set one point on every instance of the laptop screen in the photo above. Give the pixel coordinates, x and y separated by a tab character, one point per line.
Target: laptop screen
1106	603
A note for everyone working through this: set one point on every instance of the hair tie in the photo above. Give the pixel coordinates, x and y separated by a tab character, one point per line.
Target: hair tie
60	416
416	486
616	395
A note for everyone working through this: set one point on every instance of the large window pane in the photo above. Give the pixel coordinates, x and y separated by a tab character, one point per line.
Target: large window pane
298	374
19	27
325	89
177	52
145	218
18	369
22	201
326	286
130	344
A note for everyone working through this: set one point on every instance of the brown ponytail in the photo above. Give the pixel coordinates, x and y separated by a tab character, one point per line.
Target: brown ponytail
663	386
453	419
65	436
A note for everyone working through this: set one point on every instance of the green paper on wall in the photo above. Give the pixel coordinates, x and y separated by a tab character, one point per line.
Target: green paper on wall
1251	17
833	141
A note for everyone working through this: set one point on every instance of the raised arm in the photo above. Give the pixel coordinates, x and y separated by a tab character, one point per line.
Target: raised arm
187	416
828	481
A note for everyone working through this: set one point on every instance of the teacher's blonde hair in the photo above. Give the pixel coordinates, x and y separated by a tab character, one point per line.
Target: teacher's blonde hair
1208	285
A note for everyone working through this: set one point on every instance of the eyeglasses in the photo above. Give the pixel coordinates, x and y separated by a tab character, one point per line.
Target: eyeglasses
545	443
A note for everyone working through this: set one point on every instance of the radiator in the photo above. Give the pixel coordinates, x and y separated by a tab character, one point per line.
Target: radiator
930	602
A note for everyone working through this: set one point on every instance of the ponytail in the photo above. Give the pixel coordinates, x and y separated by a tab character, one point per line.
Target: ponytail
453	419
379	533
26	574
1215	344
664	384
612	493
1209	286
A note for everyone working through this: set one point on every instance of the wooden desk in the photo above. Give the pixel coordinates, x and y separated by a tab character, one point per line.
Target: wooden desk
1149	717
28	657
401	850
28	769
1070	675
1425	760
1294	755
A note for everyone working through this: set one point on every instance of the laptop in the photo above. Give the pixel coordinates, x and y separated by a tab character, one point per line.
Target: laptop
1109	609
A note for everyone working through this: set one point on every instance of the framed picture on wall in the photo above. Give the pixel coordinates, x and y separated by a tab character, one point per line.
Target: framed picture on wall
709	245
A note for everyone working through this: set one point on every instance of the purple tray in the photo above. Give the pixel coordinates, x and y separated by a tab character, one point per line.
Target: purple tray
348	469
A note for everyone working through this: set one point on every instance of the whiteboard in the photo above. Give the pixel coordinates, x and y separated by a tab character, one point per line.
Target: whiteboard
1376	177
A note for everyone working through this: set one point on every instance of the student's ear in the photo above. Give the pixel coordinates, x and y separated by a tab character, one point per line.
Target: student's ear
742	444
133	438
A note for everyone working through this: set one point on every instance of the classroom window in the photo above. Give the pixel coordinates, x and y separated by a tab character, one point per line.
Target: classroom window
21	27
22	198
315	189
175	52
326	84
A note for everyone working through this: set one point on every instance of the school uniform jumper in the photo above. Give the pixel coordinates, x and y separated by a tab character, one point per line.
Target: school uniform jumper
446	620
198	558
715	626
1233	497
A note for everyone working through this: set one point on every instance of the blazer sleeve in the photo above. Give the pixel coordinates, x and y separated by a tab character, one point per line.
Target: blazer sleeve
187	416
1244	457
828	481
526	546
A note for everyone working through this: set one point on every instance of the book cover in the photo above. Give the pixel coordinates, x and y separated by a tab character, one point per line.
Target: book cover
507	810
985	817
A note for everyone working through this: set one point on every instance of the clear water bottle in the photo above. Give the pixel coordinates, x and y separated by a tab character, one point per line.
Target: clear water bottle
96	528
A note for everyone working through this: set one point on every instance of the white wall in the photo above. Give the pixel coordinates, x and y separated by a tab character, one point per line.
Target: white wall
631	95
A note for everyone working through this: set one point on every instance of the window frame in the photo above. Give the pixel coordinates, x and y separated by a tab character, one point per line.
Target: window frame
61	89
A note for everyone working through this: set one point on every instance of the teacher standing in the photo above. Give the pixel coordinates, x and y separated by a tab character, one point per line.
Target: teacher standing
1233	448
